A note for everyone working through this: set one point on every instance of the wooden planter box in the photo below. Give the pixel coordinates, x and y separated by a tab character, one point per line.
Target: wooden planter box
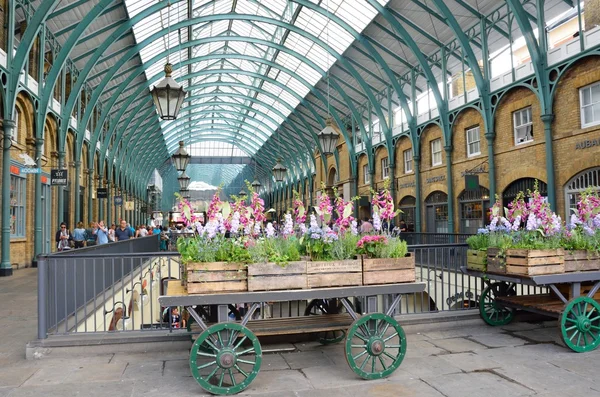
581	261
477	260
496	262
271	276
388	271
535	262
209	277
333	273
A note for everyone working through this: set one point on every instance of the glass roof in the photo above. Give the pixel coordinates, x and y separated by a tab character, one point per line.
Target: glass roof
240	84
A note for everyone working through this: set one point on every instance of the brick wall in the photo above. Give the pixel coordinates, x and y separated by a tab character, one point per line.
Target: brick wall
592	14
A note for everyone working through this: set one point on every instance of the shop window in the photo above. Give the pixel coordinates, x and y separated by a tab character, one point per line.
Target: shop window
523	126
584	181
385	168
436	152
522	185
473	142
407	205
17	206
408	161
367	176
589	101
474	210
436	212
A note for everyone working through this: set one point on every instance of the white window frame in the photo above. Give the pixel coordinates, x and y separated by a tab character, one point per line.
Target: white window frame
367	176
591	104
385	168
469	143
436	152
18	203
516	126
408	161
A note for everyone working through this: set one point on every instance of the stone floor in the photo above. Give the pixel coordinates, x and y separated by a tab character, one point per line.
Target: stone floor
465	358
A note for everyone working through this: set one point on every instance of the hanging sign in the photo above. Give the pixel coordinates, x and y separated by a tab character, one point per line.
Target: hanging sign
58	177
471	183
118	200
129	205
102	193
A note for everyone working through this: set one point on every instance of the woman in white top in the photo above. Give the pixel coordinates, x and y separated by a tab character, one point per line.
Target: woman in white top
142	231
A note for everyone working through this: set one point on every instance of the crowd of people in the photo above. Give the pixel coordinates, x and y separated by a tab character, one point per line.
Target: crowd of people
98	233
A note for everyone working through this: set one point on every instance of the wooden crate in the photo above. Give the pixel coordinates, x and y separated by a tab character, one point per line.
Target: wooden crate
333	273
210	277
271	276
581	261
584	289
496	262
388	271
535	262
477	260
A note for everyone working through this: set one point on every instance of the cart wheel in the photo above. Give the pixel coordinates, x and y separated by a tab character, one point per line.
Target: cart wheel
580	324
492	312
371	351
331	337
230	367
322	307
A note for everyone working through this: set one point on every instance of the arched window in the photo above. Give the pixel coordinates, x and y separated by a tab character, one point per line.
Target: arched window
407	205
588	179
436	212
522	185
474	209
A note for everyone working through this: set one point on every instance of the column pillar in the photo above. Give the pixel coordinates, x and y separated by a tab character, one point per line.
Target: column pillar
59	189
450	190
392	176
5	265
491	166
418	200
77	200
109	197
547	119
90	211
101	203
37	212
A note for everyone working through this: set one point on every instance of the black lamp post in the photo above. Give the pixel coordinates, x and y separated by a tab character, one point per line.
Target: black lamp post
168	95
181	158
184	181
279	171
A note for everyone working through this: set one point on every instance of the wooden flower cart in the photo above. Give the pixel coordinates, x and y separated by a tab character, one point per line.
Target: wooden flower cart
227	356
572	299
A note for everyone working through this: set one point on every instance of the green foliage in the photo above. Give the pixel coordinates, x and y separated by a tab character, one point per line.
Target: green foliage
479	241
344	248
395	248
280	251
534	240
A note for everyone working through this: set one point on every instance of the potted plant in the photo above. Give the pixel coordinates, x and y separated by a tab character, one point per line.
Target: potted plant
385	260
477	252
581	240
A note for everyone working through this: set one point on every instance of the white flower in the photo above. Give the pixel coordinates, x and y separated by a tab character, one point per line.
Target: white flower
211	228
303	228
376	222
257	228
288	226
354	228
248	228
235	222
313	221
270	230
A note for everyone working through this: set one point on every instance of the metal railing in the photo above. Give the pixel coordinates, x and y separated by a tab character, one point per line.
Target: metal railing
413	238
87	292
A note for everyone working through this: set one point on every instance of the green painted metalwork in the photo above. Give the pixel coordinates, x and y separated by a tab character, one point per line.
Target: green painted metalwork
580	324
492	312
371	351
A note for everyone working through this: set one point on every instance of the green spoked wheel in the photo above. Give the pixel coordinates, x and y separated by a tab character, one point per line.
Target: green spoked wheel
331	337
232	362
492	312
375	346
580	324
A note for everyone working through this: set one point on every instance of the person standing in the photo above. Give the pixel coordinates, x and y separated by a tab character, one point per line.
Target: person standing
111	233
123	232
63	238
79	235
90	237
101	233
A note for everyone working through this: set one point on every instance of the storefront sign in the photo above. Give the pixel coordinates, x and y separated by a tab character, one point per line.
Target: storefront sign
435	179
407	185
587	144
129	205
15	170
480	169
102	193
459	296
58	177
118	200
31	170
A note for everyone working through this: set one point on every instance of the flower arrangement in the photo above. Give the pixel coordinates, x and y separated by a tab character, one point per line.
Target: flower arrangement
383	206
324	209
583	230
368	245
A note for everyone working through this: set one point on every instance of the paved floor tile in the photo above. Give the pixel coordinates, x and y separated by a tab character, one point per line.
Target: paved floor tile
457	345
476	384
497	340
306	359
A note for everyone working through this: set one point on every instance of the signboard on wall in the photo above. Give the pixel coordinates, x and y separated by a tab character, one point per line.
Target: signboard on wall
118	200
102	193
58	177
129	205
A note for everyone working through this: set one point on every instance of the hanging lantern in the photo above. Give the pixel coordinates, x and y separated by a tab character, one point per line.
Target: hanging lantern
184	181
168	95
279	171
256	184
328	138
242	193
181	158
